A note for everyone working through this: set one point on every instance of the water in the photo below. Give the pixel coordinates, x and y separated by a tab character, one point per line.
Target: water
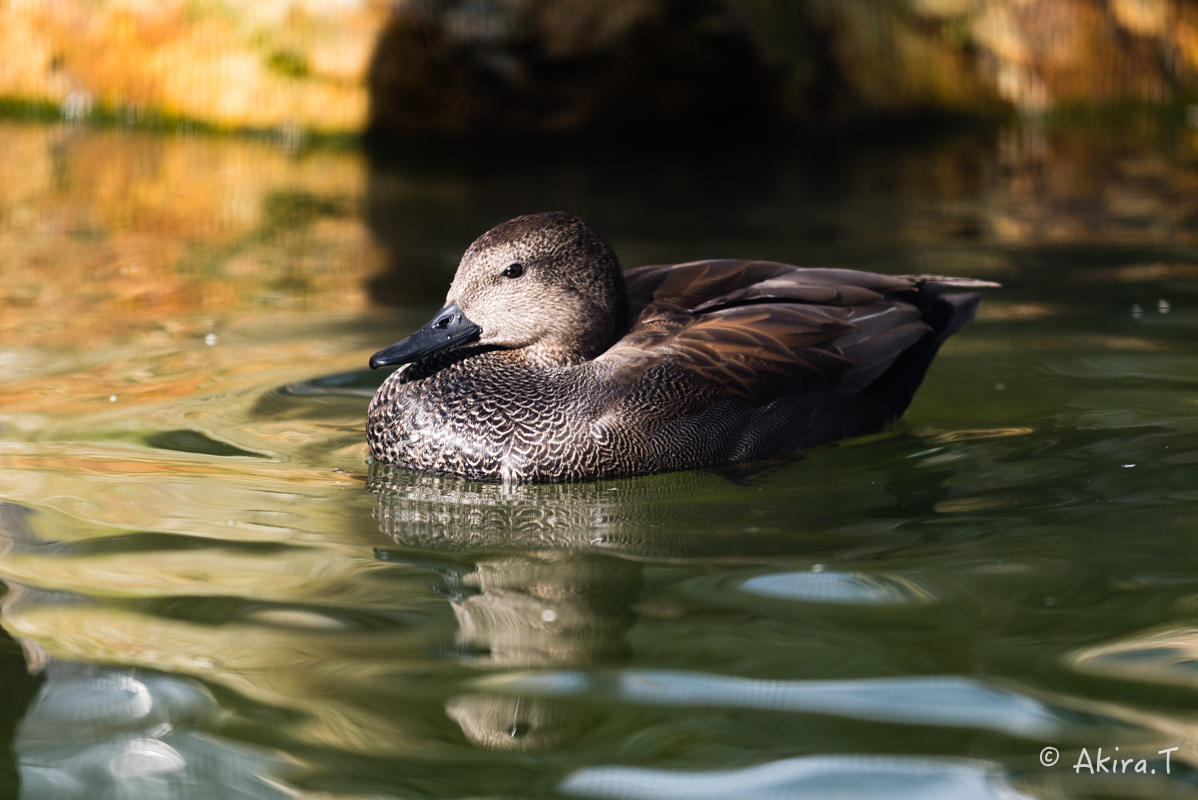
221	598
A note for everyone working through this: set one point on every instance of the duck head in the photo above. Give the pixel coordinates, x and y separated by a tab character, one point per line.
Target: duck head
546	286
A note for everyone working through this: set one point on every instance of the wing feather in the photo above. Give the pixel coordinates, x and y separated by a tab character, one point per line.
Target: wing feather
756	352
759	329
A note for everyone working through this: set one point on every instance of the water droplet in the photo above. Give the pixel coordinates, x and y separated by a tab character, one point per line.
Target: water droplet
1000	386
549	615
112	398
1136	311
210	339
817	567
1163	306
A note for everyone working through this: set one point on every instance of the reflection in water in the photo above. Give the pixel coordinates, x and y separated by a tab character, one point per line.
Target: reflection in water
848	777
689	515
539	610
19	686
122	237
1158	657
543	580
99	731
950	702
518	724
545	610
558	590
105	732
552	605
19	678
824	586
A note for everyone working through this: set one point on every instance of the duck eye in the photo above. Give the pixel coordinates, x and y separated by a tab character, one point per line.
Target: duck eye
513	271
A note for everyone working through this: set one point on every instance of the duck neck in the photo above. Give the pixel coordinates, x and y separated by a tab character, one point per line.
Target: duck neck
582	336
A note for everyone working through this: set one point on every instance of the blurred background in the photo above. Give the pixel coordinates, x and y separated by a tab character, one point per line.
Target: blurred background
466	68
212	213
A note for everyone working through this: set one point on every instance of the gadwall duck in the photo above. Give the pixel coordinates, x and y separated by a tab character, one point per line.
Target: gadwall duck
549	364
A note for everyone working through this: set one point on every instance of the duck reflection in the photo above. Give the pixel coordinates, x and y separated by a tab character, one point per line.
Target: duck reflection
554	576
543	598
647	517
542	610
546	609
517	724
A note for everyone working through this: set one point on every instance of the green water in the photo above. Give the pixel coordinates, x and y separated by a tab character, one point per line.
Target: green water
221	598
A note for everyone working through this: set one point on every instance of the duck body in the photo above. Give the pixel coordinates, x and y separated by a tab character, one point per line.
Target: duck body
661	368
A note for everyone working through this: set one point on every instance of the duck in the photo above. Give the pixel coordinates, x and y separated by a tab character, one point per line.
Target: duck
548	363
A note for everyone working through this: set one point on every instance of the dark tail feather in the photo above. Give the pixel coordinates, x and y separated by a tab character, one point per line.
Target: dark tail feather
946	315
964	309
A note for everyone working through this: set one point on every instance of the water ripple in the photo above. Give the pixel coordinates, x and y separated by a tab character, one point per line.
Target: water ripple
1162	657
840	776
946	701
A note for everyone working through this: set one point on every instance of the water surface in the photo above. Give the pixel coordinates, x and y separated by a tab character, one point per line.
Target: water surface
219	597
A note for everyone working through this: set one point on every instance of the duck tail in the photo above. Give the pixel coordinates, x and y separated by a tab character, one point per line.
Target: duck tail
945	314
962	308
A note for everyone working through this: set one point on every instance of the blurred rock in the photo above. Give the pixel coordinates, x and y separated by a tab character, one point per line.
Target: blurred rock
477	67
562	66
471	67
275	64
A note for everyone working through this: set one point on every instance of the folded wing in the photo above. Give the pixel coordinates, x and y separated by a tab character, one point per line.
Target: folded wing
761	329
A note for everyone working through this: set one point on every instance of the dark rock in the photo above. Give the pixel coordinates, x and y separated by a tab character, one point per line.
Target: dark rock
564	66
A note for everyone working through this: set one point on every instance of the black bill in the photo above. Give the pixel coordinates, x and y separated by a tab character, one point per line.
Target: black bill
449	328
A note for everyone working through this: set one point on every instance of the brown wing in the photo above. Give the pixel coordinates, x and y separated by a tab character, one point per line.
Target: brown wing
756	352
759	329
